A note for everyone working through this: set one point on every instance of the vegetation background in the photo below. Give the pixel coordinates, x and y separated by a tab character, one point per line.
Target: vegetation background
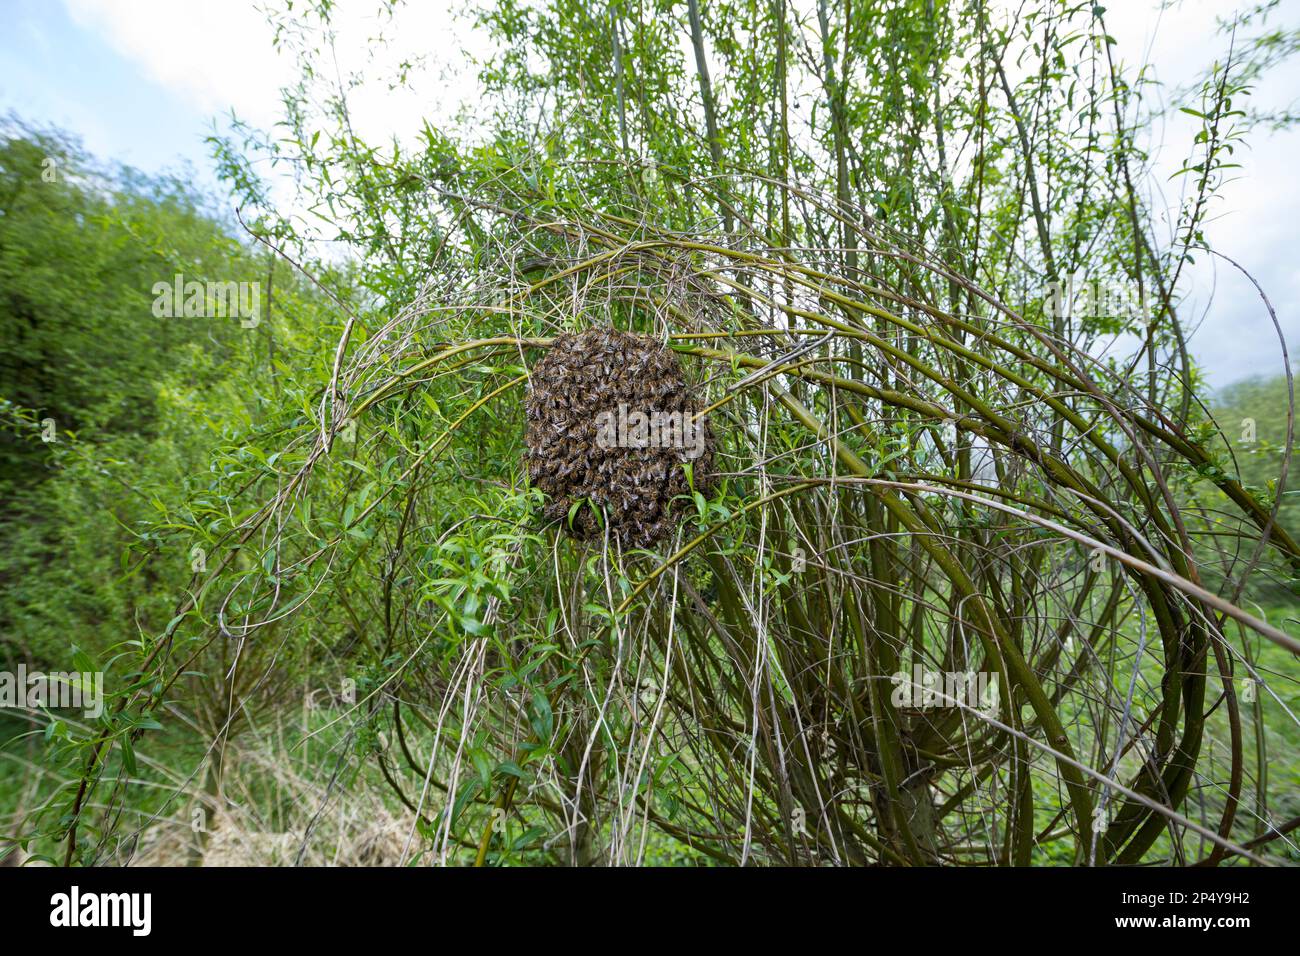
336	629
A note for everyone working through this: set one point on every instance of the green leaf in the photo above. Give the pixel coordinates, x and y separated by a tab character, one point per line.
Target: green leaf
542	718
511	768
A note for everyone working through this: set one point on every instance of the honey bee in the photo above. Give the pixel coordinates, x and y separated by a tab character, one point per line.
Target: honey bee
631	488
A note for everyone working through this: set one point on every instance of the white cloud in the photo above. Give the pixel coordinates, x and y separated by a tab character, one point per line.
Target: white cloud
216	55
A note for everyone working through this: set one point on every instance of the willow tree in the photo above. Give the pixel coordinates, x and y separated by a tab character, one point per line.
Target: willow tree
853	223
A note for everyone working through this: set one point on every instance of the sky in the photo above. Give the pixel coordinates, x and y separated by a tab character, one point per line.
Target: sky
142	82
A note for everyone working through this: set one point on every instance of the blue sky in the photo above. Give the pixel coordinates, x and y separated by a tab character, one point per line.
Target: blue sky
55	72
142	81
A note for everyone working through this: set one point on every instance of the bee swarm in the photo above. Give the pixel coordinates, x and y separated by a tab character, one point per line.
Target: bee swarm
605	371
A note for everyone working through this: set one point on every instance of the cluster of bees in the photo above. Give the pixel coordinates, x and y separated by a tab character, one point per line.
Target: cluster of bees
632	489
